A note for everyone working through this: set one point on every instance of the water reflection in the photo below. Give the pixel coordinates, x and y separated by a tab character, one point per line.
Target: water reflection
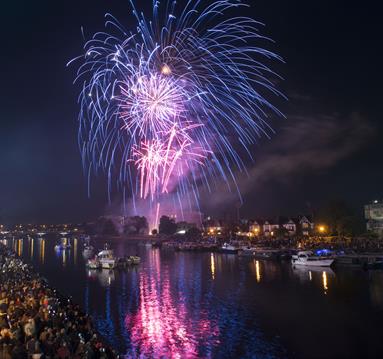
212	266
19	244
325	285
162	326
376	290
185	305
42	250
32	240
256	270
104	276
75	249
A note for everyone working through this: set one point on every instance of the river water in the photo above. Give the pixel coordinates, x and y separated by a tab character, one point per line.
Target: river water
211	305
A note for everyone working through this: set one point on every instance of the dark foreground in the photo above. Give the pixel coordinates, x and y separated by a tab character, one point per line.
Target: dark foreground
35	322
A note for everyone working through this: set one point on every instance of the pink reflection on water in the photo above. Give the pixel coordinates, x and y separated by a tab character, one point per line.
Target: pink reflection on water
163	327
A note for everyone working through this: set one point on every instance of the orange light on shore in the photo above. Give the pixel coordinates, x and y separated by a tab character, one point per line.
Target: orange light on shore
322	229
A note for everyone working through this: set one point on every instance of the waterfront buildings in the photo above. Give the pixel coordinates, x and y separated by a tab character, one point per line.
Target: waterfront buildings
373	213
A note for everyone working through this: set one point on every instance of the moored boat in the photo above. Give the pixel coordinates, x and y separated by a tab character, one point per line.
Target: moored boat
93	263
135	259
307	258
107	259
247	251
228	248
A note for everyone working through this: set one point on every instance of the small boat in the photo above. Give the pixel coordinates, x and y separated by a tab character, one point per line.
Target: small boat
374	263
134	259
107	259
228	248
124	261
93	263
307	258
248	251
266	253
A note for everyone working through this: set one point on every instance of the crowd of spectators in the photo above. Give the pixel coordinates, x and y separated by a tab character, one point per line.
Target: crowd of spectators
36	322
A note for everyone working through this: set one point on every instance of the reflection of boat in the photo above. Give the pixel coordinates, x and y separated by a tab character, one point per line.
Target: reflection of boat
63	245
107	259
307	258
315	269
228	248
93	263
377	263
365	260
106	277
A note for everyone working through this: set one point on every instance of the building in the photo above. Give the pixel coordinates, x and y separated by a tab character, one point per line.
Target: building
290	226
306	225
255	227
373	213
270	227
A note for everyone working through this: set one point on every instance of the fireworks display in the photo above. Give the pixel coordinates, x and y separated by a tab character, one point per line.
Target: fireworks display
176	103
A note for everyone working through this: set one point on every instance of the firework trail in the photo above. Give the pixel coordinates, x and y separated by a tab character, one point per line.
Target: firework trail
175	103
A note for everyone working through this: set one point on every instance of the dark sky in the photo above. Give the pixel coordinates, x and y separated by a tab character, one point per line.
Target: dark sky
329	147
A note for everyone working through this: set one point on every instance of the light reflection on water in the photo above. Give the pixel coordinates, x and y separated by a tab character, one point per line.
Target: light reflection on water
162	327
211	305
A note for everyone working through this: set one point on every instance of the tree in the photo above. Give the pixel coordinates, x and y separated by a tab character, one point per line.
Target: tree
167	225
109	228
193	234
105	226
340	218
136	225
281	232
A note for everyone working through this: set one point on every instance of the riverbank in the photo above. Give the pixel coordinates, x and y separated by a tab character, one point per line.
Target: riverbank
37	322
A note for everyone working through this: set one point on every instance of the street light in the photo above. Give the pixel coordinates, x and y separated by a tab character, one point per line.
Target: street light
322	229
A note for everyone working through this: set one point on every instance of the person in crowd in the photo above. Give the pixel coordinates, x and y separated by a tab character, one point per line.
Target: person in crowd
37	323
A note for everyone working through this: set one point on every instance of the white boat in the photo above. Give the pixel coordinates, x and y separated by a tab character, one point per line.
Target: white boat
135	259
107	259
307	258
228	248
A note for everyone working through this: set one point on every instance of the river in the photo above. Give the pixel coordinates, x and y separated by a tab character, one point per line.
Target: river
212	305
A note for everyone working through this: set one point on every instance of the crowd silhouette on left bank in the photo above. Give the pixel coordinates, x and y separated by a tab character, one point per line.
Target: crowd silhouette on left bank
37	322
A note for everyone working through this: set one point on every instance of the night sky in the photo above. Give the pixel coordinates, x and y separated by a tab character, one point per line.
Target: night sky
328	147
